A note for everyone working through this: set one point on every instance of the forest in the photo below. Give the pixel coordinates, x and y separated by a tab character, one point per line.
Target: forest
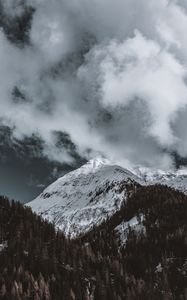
37	261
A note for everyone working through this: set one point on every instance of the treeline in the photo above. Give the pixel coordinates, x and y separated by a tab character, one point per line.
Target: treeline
37	262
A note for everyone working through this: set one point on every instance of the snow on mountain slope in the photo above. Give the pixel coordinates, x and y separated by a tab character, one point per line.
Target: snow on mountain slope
87	196
122	229
84	197
176	180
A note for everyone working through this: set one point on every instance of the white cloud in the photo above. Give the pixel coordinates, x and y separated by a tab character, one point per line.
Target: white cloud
112	75
51	32
118	73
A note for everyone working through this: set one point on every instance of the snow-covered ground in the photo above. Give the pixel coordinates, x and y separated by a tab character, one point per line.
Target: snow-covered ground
84	197
135	224
3	245
176	179
87	196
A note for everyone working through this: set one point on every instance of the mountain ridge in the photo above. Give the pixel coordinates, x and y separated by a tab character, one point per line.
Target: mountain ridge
87	196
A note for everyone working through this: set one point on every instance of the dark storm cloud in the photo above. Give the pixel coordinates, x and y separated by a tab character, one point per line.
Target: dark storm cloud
110	74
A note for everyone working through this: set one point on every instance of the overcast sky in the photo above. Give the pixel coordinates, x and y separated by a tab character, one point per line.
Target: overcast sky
108	77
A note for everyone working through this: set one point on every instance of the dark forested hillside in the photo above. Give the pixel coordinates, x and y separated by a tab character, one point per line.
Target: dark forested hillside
36	262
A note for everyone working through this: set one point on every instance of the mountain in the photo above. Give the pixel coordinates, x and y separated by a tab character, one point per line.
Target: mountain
89	195
139	252
84	197
174	179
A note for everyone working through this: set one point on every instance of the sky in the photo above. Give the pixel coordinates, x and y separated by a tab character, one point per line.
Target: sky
81	79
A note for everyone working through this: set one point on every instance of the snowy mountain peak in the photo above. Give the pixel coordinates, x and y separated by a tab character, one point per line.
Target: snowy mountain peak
84	197
92	166
97	163
87	196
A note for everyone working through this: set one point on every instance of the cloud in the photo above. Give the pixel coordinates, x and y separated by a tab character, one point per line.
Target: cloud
138	68
111	75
